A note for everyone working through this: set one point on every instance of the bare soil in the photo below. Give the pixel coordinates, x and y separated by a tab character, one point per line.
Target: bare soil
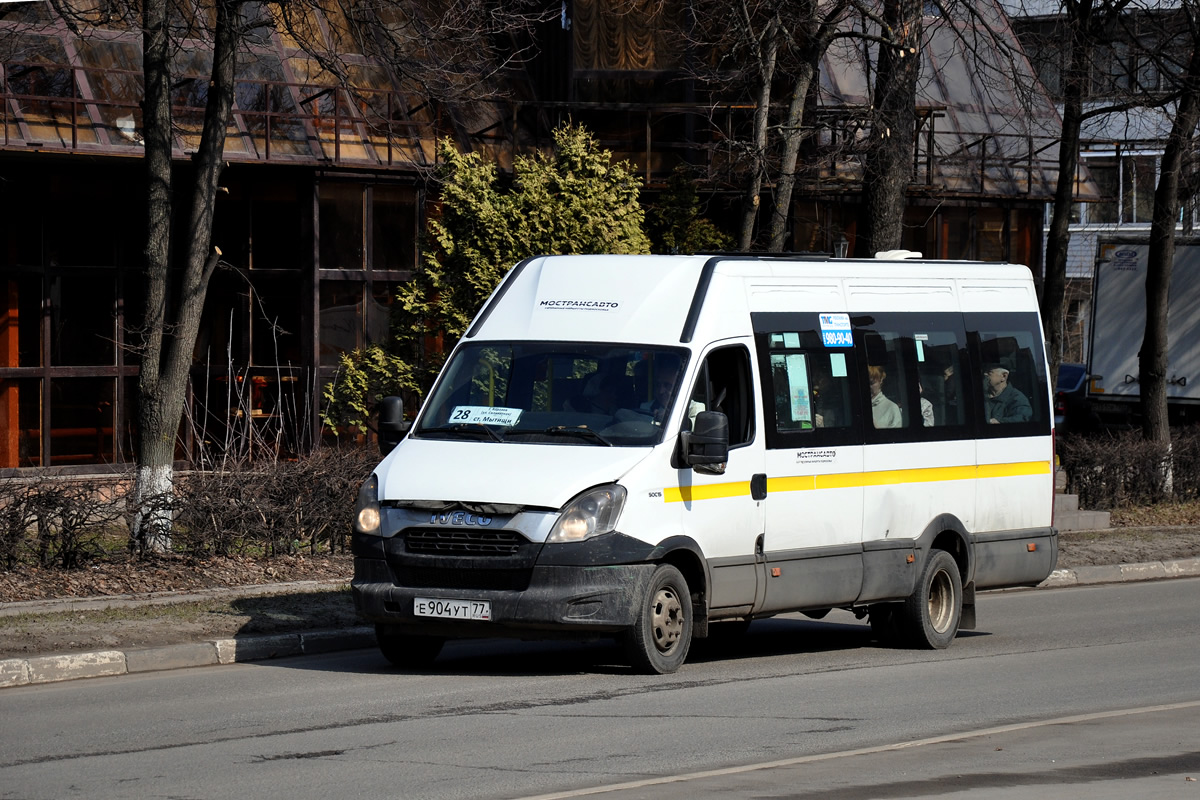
231	611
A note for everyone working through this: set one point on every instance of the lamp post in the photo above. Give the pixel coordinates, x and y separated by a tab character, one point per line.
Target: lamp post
841	246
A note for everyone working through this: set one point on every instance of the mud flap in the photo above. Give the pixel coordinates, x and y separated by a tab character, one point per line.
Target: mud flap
966	621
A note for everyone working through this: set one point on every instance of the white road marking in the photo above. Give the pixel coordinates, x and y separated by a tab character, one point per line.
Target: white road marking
789	762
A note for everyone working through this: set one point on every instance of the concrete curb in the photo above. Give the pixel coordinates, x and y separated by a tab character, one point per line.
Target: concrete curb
51	669
54	668
1119	573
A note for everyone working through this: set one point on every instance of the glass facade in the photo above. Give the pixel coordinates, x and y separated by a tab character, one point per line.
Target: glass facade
275	318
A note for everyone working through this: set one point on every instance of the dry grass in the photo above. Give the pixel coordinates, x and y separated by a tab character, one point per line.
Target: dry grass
1158	515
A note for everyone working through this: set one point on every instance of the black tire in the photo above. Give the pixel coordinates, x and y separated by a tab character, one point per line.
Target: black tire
407	651
659	641
931	614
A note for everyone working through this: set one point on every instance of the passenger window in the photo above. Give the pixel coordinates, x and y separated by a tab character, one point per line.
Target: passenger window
915	368
723	384
1013	377
888	379
939	375
810	383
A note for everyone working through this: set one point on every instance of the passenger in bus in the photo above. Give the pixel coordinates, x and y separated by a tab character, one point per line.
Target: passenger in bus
926	406
884	412
824	402
1003	403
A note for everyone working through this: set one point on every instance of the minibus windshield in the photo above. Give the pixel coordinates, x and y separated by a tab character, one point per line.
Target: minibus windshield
562	393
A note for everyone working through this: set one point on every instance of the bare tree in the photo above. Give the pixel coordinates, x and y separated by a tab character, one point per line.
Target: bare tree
1152	359
449	50
887	167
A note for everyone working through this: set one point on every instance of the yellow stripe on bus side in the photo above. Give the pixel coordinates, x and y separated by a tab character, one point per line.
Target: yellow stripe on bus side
712	491
854	480
1011	470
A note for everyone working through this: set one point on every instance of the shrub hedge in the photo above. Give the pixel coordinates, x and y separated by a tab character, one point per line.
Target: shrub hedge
1117	470
258	509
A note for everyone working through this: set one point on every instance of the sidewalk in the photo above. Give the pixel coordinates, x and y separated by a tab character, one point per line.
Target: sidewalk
98	663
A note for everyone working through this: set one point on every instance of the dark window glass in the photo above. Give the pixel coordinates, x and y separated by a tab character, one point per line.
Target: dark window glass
277	231
1138	176
81	421
21	321
1104	173
379	306
1013	374
724	385
341	319
127	439
83	322
810	389
915	368
395	223
20	422
275	321
224	336
341	226
811	383
563	393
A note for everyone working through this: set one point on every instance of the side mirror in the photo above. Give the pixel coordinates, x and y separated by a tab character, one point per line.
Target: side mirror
706	446
392	425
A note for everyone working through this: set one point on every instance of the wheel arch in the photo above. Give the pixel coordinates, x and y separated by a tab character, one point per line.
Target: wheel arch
946	532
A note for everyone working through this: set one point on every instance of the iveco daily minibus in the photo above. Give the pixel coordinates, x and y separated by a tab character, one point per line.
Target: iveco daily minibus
645	447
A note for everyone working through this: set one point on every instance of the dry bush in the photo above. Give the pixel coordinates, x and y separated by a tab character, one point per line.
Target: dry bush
265	508
272	508
1118	470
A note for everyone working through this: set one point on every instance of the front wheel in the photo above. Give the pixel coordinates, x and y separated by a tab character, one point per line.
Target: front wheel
659	641
931	613
407	651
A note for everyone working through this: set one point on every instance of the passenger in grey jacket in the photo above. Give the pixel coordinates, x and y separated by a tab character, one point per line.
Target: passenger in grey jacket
1003	403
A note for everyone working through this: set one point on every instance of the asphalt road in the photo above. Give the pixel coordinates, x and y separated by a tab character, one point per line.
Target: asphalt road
1085	691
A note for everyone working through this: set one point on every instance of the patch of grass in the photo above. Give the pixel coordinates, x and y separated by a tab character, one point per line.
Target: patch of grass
278	607
1158	515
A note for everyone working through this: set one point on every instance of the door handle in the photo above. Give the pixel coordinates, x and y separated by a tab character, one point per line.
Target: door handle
758	486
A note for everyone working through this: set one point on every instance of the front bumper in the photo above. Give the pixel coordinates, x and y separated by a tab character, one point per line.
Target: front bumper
558	600
537	591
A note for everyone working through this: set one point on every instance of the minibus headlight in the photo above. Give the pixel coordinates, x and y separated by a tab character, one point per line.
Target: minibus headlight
366	510
590	514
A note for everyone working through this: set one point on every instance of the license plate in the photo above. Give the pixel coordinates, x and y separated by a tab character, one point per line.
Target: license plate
453	609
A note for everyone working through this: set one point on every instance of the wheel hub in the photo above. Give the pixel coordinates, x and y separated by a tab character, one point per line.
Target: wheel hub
667	619
941	602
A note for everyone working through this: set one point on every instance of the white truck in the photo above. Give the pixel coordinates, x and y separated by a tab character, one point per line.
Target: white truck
1119	324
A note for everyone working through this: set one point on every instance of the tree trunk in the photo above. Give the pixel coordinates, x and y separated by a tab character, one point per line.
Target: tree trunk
153	481
1054	283
164	374
887	168
791	153
751	200
1152	360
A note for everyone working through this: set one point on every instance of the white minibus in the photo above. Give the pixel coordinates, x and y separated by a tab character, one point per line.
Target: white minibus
649	447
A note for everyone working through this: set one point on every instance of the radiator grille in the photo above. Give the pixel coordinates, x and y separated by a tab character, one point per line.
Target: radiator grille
483	579
458	542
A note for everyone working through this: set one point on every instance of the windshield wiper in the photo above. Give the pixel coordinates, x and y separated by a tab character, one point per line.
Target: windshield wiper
585	432
465	427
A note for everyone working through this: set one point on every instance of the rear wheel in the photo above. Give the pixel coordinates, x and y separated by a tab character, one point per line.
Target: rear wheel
659	641
931	614
405	650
